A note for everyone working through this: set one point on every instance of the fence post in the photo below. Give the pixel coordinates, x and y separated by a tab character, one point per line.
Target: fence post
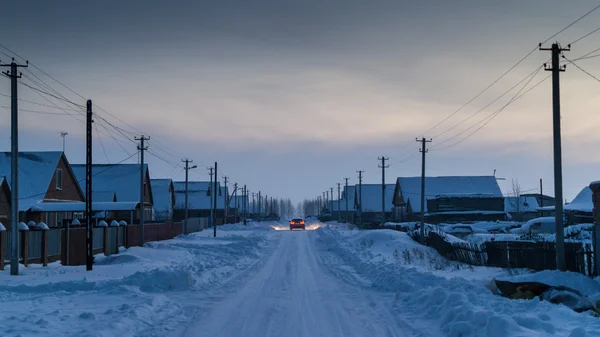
2	247
24	230
104	237
123	224
44	228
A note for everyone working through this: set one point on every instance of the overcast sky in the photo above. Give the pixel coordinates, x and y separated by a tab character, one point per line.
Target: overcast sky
291	96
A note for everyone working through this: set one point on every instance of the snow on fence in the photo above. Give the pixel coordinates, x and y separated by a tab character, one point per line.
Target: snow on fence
115	237
511	254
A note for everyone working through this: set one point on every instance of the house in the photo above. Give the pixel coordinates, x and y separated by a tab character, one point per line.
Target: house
371	197
44	178
199	199
5	209
521	208
163	192
347	204
123	182
581	209
449	199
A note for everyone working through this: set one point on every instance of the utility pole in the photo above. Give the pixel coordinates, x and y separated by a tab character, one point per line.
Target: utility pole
142	148
245	200
346	195
210	188
216	194
423	151
187	168
226	206
259	205
64	135
541	194
339	199
88	189
383	167
237	202
332	208
360	172
556	69
253	203
14	160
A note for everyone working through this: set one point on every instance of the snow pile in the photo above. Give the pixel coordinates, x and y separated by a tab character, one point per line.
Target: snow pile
134	291
461	305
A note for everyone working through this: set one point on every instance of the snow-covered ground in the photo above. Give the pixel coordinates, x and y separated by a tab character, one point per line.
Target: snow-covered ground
264	280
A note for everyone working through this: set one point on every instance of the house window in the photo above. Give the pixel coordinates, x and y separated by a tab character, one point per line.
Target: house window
59	179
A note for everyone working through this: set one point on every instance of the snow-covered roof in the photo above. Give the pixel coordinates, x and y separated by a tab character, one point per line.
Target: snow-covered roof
36	170
78	206
123	179
410	187
582	202
194	186
520	204
198	200
371	197
161	192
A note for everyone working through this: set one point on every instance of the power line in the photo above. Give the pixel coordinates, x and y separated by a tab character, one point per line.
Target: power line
572	23
586	35
494	115
39	112
578	67
101	144
488	105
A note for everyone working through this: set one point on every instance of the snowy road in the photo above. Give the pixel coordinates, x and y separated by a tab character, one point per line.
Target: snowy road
257	281
294	295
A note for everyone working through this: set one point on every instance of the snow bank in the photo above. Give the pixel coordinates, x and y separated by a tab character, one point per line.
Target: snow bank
126	294
462	306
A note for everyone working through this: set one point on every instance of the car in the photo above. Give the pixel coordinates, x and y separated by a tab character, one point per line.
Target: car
544	225
297	223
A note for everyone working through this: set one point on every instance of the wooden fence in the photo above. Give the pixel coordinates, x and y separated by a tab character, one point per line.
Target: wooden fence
106	240
512	254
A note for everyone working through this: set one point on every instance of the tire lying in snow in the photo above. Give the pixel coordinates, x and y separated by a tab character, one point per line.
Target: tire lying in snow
554	294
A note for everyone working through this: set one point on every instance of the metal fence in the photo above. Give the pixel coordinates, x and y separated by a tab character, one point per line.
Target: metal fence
34	248
197	224
98	238
54	242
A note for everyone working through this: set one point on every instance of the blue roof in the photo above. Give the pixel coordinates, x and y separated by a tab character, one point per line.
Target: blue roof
36	170
410	188
199	199
162	195
194	186
123	179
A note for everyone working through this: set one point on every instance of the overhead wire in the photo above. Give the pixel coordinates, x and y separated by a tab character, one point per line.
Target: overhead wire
101	144
490	117
583	70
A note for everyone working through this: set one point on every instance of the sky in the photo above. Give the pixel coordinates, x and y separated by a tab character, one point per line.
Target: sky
289	97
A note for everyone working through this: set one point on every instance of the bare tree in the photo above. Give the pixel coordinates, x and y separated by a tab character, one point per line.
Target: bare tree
516	202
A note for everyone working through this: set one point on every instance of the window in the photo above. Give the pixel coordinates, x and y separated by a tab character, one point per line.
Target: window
78	215
59	180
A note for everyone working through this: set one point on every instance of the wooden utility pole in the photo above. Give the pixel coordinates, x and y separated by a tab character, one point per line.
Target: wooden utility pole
423	151
226	196
142	148
339	200
541	194
14	160
186	216
212	191
556	69
346	196
245	201
383	167
360	172
88	190
216	195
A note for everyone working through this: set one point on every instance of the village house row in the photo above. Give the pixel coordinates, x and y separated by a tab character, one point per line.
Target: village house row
52	190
